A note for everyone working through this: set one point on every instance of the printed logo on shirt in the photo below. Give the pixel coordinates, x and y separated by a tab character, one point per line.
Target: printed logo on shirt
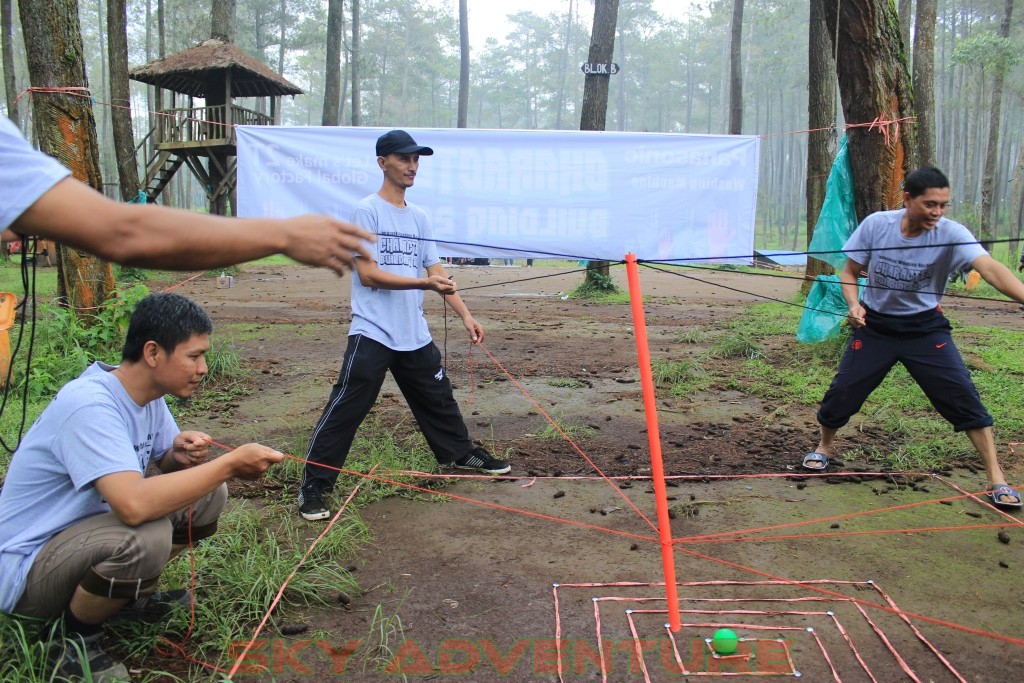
144	450
857	345
906	276
398	251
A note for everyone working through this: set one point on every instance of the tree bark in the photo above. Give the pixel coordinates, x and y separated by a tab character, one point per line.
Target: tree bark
874	85
1017	206
563	68
988	228
66	129
821	120
602	46
736	70
120	98
905	9
7	48
332	72
595	86
463	115
282	18
356	94
223	19
924	80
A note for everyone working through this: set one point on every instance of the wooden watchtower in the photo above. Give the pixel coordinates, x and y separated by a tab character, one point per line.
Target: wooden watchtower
203	138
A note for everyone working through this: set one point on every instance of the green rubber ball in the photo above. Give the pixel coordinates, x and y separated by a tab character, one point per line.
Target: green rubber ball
724	641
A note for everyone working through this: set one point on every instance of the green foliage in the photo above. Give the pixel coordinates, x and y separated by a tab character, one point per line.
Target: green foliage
24	645
240	569
595	284
986	50
66	342
129	274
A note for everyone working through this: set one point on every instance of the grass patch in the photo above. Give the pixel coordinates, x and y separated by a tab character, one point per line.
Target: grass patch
693	335
387	440
682	377
385	633
239	571
11	278
566	383
561	430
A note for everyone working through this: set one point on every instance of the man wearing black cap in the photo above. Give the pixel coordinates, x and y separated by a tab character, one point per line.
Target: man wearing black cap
389	332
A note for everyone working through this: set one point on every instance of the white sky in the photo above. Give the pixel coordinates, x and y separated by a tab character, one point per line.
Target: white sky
487	17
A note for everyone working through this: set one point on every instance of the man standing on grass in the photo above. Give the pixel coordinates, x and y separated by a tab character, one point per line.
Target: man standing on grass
908	255
389	332
84	533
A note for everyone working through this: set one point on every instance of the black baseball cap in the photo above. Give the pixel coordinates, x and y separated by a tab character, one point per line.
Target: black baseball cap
400	142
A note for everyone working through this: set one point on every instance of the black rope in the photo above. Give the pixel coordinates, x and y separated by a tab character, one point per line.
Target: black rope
27	303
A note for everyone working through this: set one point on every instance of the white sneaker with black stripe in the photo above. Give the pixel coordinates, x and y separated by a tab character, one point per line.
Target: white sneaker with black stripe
479	460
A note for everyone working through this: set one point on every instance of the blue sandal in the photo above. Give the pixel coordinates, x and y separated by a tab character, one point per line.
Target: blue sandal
1005	490
815	461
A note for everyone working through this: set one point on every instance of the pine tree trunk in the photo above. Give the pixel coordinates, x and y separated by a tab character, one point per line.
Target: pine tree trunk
463	115
222	18
821	120
988	228
7	47
282	30
736	70
120	97
563	68
332	72
356	87
1017	206
66	129
595	86
924	80
874	85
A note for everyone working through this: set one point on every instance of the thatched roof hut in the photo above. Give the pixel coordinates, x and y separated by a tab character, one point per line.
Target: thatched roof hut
202	71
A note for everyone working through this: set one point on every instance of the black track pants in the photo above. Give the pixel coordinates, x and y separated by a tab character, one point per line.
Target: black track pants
423	383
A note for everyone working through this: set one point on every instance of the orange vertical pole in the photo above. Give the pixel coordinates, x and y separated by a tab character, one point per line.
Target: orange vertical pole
643	353
8	303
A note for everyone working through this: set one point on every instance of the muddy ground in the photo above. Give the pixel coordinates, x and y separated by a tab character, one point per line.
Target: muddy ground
477	583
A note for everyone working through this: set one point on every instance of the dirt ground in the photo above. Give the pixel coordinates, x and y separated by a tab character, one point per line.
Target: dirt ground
855	576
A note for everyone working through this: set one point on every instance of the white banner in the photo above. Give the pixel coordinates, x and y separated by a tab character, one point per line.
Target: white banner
545	194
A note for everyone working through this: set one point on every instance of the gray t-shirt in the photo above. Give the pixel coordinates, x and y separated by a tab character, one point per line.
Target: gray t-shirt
405	246
92	428
25	173
909	275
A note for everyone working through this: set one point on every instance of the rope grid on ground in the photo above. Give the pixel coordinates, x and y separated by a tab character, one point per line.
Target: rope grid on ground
721	537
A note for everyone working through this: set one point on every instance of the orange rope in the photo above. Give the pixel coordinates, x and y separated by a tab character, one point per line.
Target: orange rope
572	443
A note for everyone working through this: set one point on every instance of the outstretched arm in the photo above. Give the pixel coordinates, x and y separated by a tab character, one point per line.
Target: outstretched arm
160	237
1000	277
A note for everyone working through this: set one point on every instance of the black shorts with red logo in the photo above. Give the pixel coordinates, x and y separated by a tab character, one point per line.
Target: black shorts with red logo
923	343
